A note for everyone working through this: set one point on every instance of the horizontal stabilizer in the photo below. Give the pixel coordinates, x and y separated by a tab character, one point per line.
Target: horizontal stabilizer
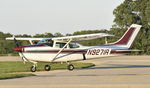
135	50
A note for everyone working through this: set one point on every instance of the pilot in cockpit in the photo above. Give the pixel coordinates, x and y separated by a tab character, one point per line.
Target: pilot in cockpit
48	42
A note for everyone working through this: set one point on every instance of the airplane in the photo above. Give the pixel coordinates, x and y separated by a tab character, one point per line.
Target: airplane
66	49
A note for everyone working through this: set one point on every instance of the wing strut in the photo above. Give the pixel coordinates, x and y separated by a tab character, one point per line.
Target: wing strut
106	40
31	42
61	50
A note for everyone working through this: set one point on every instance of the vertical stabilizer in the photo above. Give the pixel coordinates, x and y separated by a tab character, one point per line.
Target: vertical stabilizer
128	38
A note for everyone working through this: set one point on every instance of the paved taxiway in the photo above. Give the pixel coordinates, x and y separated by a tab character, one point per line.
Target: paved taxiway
112	72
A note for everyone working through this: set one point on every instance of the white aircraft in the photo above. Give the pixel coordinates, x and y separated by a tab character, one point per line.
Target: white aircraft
65	49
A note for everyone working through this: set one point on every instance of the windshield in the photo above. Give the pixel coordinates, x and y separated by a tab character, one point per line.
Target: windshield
48	42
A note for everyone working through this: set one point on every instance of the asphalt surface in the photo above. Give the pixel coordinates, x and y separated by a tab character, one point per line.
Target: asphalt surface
112	72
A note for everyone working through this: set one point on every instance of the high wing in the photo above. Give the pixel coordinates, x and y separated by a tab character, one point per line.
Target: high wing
82	37
74	38
29	39
23	38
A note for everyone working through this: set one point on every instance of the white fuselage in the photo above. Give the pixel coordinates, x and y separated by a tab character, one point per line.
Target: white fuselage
47	54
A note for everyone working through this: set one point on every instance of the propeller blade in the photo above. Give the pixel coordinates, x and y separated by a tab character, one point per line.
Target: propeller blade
16	42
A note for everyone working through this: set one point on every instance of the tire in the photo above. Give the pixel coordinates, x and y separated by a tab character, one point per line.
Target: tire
47	67
70	67
33	69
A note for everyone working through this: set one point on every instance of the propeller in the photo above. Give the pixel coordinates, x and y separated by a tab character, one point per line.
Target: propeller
16	42
24	59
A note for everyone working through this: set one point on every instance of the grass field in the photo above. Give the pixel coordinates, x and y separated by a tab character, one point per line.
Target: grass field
15	69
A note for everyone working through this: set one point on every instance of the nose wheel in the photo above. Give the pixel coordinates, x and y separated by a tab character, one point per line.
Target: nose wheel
33	69
70	67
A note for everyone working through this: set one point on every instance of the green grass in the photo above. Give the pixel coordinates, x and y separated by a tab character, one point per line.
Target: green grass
12	69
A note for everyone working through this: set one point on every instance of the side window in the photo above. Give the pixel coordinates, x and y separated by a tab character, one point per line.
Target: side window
73	45
60	45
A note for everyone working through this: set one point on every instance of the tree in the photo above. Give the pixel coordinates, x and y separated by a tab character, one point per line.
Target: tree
57	34
46	35
134	12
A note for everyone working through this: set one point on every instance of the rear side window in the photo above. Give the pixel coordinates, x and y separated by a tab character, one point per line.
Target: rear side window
73	45
60	45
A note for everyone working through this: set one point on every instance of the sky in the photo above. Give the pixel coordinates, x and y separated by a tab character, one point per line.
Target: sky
52	16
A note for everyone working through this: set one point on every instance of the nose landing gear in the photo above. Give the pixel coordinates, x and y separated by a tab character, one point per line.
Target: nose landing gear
33	68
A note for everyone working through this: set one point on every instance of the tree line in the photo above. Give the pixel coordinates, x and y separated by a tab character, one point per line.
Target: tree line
127	13
7	46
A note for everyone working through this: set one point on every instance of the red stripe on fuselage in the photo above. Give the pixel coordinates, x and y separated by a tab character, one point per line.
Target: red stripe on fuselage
20	49
56	51
120	52
73	51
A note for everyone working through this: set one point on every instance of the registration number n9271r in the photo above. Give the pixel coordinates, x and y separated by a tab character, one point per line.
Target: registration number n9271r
98	51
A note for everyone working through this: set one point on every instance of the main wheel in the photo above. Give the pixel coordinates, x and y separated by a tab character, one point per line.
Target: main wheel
33	69
70	67
47	67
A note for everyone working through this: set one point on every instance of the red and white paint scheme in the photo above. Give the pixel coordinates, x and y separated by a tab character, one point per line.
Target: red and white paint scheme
65	49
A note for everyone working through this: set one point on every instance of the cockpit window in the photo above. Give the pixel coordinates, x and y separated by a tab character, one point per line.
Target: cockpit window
73	45
48	42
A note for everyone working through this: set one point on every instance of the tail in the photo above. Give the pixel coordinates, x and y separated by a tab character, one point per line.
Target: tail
128	38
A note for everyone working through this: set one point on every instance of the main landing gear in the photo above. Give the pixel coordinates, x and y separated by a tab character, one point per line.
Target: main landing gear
47	67
70	67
